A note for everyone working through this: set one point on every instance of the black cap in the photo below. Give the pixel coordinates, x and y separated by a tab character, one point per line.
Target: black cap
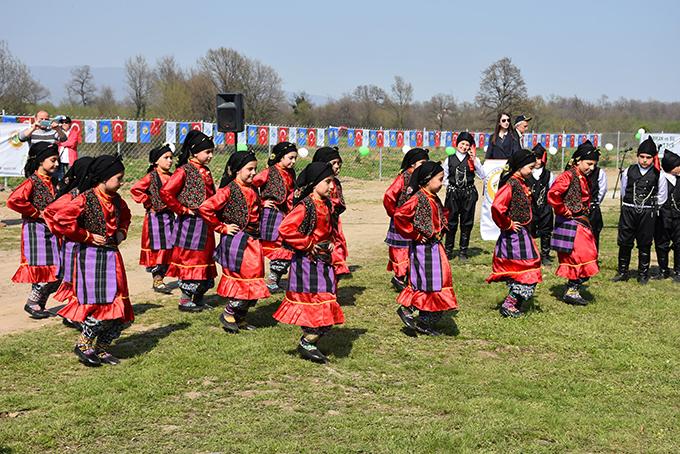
521	118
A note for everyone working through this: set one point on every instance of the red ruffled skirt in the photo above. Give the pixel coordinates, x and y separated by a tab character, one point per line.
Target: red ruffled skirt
398	261
443	300
32	274
581	262
248	283
190	265
147	256
274	250
312	310
339	254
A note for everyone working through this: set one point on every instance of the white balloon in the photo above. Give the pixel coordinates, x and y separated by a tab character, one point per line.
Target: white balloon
609	147
405	149
486	147
303	152
552	151
641	131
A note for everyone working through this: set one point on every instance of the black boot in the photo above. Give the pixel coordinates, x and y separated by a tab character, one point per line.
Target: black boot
545	250
573	295
448	245
464	243
662	260
676	265
406	316
644	257
624	262
399	283
308	350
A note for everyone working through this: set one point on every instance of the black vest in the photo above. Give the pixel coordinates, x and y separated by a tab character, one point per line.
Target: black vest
539	188
594	185
460	175
673	200
641	189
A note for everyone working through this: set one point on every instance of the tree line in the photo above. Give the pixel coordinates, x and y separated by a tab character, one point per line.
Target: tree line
165	89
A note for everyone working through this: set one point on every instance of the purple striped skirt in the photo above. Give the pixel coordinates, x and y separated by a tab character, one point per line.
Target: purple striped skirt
564	235
69	252
394	239
229	252
95	274
310	276
426	267
269	224
40	246
515	245
191	232
160	226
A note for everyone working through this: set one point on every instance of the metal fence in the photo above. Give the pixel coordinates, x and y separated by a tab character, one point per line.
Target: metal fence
374	163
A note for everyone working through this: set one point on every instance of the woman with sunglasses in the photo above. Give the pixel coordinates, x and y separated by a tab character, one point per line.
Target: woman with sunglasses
500	144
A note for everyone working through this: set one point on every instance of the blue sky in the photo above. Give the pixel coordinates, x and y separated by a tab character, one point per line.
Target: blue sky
584	48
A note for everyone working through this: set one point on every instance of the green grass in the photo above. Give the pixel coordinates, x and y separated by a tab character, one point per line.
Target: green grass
603	378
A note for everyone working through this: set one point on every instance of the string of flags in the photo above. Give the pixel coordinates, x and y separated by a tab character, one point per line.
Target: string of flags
142	131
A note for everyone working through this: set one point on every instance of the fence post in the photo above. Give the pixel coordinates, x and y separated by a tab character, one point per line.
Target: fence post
618	146
381	156
564	142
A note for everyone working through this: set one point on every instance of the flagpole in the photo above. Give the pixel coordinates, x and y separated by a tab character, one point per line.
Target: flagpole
381	156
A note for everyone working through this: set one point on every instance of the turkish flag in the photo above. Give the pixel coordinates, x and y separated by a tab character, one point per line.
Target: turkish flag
311	137
400	138
77	125
197	126
358	137
283	135
437	138
229	138
380	139
419	138
454	138
27	120
481	140
571	140
263	135
547	141
156	126
596	140
560	137
118	128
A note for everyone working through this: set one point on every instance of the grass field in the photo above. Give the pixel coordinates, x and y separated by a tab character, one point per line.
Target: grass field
604	378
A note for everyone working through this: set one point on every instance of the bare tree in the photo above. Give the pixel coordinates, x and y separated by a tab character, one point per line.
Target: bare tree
171	91
370	98
80	89
303	110
260	84
17	86
402	96
105	101
139	80
502	88
441	108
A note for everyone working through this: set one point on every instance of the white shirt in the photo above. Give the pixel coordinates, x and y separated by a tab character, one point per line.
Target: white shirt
479	170
662	189
538	172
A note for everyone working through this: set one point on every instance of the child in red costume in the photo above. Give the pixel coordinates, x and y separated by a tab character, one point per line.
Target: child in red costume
194	240
98	219
310	300
159	220
39	247
516	260
234	212
276	184
421	219
394	197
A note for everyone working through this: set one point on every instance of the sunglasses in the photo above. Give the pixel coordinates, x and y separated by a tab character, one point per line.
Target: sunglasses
505	120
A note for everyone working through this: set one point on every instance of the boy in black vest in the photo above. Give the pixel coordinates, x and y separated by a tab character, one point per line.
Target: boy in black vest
461	195
539	182
668	222
642	192
597	182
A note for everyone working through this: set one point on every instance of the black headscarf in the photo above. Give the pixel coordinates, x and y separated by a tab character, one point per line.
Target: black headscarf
422	175
670	161
648	147
38	152
156	153
237	161
326	154
194	143
279	151
75	175
518	160
467	137
540	152
101	169
312	175
414	155
584	152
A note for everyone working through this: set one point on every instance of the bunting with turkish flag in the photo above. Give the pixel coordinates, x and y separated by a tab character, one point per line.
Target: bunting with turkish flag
262	135
283	135
311	137
229	138
419	138
400	138
156	124
118	130
358	137
77	125
197	126
380	139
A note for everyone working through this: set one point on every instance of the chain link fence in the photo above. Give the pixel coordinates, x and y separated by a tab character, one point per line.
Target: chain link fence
374	163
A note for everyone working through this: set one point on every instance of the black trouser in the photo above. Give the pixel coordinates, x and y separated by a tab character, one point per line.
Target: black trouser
542	226
667	238
635	226
596	223
461	204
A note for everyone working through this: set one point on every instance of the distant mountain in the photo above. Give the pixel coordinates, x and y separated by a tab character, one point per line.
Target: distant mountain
56	77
